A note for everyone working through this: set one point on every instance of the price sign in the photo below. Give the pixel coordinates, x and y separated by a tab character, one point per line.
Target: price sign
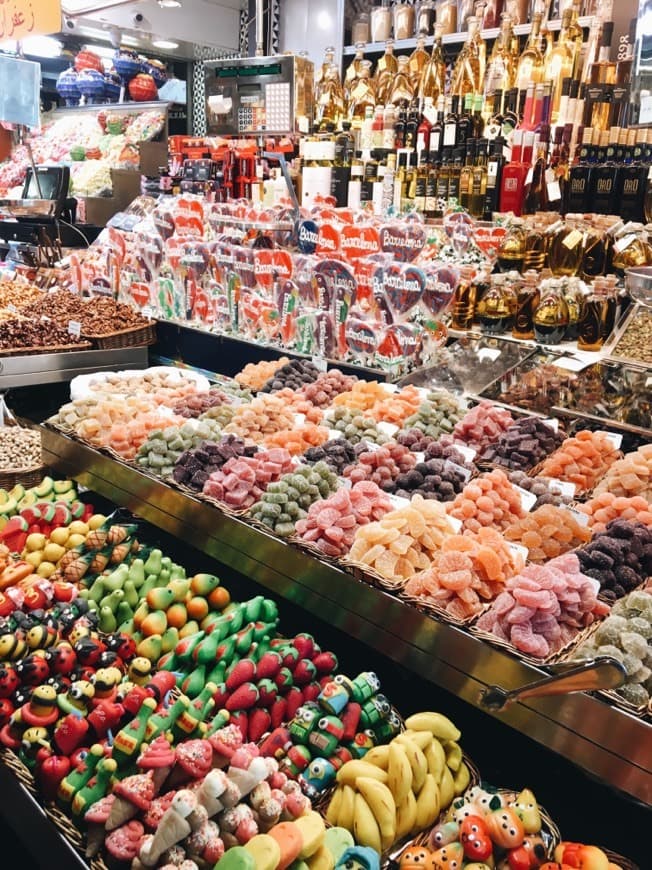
74	328
21	18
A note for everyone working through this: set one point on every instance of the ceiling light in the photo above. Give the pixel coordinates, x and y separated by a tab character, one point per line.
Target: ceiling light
169	4
165	44
81	7
42	46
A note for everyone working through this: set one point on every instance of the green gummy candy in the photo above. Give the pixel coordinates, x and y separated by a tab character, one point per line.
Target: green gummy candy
236	858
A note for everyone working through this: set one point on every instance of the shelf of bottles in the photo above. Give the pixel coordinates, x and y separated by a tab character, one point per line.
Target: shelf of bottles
488	34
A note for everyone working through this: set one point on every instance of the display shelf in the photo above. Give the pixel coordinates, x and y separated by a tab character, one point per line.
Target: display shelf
33	828
603	740
456	38
48	368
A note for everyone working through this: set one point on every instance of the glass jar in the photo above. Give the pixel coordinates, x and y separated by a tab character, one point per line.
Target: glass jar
361	28
381	24
496	309
518	10
425	18
465	10
403	21
566	247
447	16
512	251
551	316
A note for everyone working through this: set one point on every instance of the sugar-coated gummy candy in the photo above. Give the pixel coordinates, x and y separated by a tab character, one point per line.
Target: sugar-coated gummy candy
293	374
482	425
256	375
583	459
547	531
523	444
630	476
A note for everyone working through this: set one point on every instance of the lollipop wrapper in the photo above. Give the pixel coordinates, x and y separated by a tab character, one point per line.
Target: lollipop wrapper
404	241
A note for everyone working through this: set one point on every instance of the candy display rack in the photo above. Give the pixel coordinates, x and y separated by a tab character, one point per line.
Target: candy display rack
605	741
20	370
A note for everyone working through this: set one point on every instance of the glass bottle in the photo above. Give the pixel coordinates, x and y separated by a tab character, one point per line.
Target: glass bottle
389	131
417	62
501	67
530	63
595	253
593	318
381	22
331	103
566	247
536	195
551	316
386	69
377	135
362	96
466	175
512	251
401	90
536	246
527	302
463	305
560	61
573	299
469	69
352	73
479	180
433	77
320	73
496	309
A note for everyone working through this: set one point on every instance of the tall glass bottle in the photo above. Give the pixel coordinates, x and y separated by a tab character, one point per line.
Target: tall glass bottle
551	316
401	90
536	195
463	307
433	77
362	96
331	106
466	175
417	62
352	73
530	64
469	70
560	61
386	69
320	73
479	180
501	68
527	302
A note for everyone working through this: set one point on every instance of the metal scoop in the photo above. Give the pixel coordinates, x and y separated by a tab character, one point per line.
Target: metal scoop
581	676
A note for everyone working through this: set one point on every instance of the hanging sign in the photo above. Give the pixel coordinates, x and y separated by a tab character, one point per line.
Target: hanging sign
21	18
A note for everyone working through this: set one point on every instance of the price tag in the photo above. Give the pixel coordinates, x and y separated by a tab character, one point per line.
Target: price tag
648	382
300	419
398	501
391	388
519	551
529	176
458	469
455	524
553	422
581	518
74	328
45	318
561	487
345	482
420	456
335	434
371	446
467	452
571	363
11	307
320	363
423	392
573	239
624	242
554	191
490	353
528	499
388	429
148	311
615	437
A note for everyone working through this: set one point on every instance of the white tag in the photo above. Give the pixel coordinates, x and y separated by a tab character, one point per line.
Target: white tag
320	363
399	502
553	422
529	176
571	363
550	176
455	524
391	388
74	328
624	242
561	487
148	312
372	446
345	482
388	429
467	452
11	307
581	518
648	382
423	392
490	353
459	469
554	191
518	550
573	239
335	434
300	419
45	319
528	499
420	456
615	437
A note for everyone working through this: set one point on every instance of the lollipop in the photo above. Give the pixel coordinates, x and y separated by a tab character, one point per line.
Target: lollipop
67	87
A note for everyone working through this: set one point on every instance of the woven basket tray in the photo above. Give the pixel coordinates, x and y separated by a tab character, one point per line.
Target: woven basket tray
439	613
620	860
580	495
26	476
559	656
53	348
367	574
135	336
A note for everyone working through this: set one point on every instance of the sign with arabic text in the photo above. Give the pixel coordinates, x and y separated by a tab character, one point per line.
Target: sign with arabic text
21	18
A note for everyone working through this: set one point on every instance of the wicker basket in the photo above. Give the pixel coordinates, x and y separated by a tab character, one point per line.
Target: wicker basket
620	860
53	348
558	656
440	613
135	336
367	574
26	476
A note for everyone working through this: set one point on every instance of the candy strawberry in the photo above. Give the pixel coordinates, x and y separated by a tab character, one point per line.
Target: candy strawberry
325	662
243	671
304	672
278	712
221	696
305	644
284	679
241	720
244	697
268	666
311	692
294	700
289	655
259	723
267	693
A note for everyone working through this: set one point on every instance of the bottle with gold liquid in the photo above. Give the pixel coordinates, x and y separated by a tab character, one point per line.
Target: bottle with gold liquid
560	61
386	69
501	67
362	96
551	316
320	73
433	77
463	307
417	62
497	308
566	247
469	69
573	299
593	317
530	64
527	302
353	70
401	89
512	251
331	107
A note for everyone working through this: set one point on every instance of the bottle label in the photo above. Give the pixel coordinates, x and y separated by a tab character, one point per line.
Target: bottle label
449	135
573	239
554	191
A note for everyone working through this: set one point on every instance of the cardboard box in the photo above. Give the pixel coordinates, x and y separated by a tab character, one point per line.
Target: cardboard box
126	187
153	155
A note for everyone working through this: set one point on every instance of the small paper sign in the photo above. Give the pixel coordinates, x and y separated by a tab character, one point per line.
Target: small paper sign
518	550
458	469
467	452
455	524
580	517
561	487
528	499
615	437
74	328
399	502
553	422
388	429
571	363
320	363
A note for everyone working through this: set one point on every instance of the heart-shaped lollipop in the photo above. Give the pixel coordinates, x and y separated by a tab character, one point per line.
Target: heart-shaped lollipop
403	285
404	241
441	281
362	337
